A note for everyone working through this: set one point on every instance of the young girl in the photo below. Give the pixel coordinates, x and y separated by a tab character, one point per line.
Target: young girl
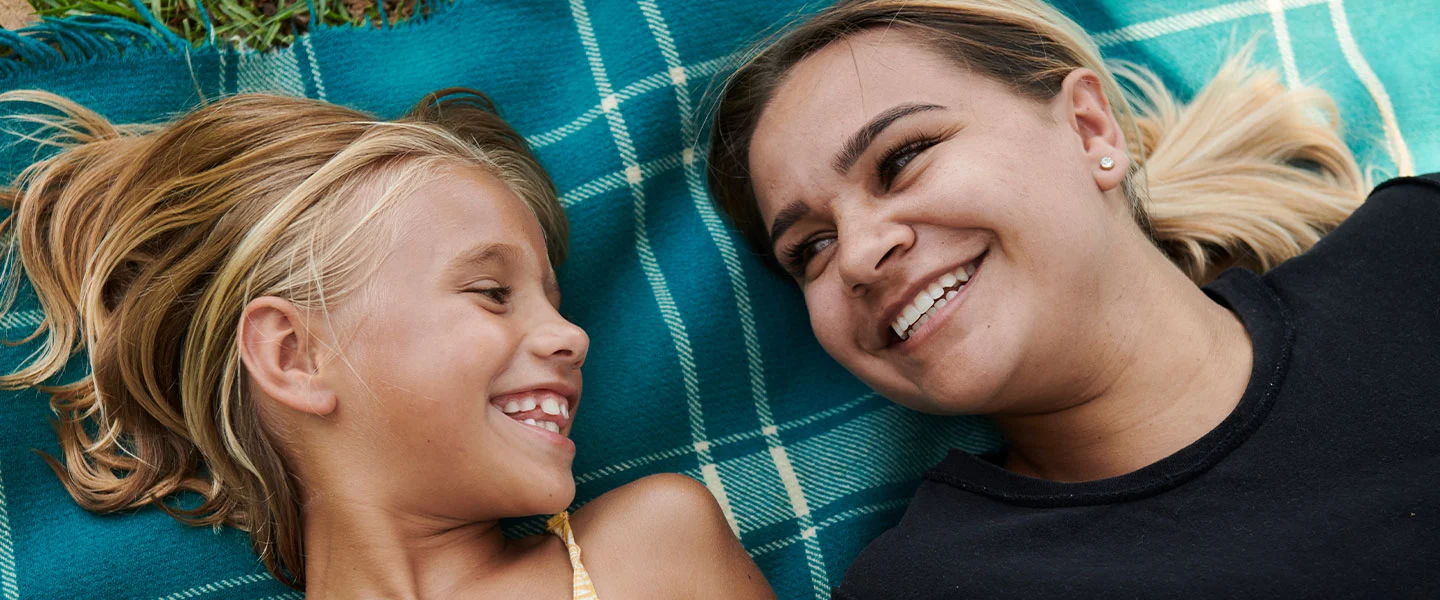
343	335
960	189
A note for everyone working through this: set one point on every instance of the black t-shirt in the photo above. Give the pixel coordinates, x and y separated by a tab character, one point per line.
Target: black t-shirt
1323	483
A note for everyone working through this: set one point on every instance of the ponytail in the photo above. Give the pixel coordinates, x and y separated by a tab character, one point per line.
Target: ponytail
1249	173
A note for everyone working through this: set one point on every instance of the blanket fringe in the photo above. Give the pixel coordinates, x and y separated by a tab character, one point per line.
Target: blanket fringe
56	41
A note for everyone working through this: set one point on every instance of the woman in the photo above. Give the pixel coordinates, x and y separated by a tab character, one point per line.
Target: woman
960	190
343	336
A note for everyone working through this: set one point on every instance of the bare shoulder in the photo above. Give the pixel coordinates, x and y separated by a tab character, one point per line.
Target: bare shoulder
664	536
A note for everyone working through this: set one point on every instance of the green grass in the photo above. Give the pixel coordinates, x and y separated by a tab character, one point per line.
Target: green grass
259	24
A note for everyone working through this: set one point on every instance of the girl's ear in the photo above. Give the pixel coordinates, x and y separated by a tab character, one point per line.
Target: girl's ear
279	356
1087	110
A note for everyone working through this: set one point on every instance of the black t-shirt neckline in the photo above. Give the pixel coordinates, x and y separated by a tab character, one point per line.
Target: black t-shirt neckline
1272	333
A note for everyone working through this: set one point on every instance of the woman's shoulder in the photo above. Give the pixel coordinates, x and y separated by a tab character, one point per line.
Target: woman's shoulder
1420	184
1403	211
663	536
1390	243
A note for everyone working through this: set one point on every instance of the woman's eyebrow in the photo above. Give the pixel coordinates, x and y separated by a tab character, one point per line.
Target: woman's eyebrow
867	134
787	217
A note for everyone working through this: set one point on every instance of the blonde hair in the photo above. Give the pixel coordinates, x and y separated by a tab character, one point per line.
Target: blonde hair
1248	173
145	243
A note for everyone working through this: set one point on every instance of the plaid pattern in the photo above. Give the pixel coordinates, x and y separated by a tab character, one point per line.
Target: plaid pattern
702	361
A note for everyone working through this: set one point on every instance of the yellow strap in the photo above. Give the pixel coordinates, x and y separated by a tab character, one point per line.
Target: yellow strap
560	526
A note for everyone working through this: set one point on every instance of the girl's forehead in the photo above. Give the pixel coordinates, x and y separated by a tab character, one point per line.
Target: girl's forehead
462	212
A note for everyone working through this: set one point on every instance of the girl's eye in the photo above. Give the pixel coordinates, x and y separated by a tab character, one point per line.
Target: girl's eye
895	161
498	294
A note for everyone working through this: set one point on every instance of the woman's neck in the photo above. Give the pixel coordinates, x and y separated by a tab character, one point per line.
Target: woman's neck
359	550
1170	366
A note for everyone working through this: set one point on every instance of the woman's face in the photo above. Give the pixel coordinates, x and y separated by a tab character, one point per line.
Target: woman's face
456	342
888	176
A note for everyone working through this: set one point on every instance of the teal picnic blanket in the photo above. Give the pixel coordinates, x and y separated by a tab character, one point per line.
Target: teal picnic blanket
702	361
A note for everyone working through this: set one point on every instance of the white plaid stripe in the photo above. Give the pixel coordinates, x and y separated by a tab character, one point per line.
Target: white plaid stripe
9	584
201	591
277	71
314	67
670	313
1395	142
656	81
1191	20
832	521
740	290
1282	42
733	438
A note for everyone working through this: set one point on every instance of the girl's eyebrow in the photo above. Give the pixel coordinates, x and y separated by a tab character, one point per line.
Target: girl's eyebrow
862	138
483	254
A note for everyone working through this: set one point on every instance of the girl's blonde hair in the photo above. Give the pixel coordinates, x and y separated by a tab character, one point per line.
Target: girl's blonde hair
1249	173
145	243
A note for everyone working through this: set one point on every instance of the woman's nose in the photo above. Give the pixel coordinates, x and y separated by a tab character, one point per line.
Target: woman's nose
868	247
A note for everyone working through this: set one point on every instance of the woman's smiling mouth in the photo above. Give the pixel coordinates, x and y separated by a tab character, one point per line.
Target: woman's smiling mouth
930	304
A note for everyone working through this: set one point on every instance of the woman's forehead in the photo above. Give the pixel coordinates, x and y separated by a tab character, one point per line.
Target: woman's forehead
831	96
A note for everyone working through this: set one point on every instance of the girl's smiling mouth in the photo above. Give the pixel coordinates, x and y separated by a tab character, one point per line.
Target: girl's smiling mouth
542	411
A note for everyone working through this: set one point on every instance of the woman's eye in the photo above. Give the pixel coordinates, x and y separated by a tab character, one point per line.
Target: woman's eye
816	246
897	159
798	257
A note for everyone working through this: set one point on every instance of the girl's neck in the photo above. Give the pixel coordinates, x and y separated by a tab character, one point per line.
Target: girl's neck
1171	366
359	550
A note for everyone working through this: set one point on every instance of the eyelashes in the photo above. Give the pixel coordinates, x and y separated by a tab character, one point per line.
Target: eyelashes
795	257
899	156
499	294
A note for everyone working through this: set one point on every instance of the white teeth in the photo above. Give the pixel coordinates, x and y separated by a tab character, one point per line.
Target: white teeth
529	421
551	426
565	411
528	404
550	406
512	407
923	301
930	300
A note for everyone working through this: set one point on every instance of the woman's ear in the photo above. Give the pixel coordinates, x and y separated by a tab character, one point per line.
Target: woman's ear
279	356
1087	110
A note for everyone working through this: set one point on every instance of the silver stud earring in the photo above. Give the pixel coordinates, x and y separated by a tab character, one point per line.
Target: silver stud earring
1107	163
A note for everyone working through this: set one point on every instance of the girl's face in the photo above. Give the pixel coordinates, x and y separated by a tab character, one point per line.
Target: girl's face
460	377
888	176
